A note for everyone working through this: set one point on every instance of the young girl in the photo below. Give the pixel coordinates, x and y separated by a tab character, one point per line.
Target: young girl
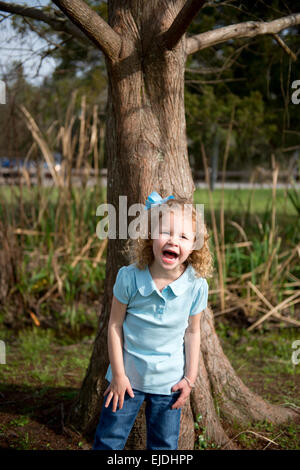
154	327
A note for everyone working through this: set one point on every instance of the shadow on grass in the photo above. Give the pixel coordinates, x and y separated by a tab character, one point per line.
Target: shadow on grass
48	406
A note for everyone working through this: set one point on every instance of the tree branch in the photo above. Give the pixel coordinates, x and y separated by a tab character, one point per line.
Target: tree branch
92	25
56	20
285	47
182	21
248	29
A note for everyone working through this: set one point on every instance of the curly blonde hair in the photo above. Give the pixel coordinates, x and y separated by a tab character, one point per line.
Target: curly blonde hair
140	250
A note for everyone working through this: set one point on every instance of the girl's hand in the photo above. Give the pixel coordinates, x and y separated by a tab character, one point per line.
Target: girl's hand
116	390
185	391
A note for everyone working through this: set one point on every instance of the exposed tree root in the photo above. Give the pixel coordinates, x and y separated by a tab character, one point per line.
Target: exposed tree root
235	400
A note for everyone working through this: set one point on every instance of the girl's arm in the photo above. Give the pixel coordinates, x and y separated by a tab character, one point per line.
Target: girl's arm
115	337
192	347
120	382
192	351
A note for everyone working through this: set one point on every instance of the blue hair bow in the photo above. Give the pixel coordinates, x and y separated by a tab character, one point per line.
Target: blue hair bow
154	199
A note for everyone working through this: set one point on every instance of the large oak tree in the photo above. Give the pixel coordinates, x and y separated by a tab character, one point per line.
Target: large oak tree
145	47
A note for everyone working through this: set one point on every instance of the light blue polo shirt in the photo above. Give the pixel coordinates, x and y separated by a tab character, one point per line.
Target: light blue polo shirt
155	324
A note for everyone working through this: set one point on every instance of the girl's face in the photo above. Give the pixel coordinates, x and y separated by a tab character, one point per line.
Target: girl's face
175	239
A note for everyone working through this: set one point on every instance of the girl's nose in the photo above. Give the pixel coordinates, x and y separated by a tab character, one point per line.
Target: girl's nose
173	239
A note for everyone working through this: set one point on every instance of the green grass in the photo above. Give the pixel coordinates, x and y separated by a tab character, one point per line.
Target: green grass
269	350
37	357
257	201
235	200
11	194
21	421
259	436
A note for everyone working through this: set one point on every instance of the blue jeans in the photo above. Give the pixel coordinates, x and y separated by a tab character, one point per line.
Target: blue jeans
163	423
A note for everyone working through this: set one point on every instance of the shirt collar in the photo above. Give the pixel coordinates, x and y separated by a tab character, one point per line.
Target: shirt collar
146	285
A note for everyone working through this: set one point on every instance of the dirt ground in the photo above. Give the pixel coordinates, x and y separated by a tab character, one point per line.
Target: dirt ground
45	428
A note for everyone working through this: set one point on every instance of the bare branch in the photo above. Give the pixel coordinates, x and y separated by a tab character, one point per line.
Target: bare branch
56	20
181	23
248	29
92	25
285	47
219	70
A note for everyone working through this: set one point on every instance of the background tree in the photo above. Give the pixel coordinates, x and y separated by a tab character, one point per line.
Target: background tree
14	137
145	50
215	78
255	76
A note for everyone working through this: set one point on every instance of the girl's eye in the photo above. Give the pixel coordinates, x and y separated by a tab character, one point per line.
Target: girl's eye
168	233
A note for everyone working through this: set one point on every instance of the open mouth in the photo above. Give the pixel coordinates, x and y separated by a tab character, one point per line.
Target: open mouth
170	255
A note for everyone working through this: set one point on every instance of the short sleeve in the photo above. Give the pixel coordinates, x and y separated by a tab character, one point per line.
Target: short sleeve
201	296
121	289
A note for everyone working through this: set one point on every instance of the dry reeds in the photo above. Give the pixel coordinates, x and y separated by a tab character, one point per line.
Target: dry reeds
51	230
259	293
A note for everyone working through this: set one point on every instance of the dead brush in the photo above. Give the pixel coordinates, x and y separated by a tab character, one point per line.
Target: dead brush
12	300
76	143
269	290
46	232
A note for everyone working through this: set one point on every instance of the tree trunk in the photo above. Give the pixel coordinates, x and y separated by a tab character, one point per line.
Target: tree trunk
146	151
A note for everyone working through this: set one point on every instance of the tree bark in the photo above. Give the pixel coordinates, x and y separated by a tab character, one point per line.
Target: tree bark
146	151
181	23
92	25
